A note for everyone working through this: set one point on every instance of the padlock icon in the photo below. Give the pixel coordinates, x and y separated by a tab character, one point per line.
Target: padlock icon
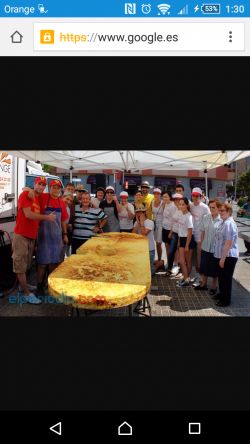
47	36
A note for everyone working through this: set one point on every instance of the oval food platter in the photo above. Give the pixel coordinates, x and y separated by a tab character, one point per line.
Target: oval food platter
109	271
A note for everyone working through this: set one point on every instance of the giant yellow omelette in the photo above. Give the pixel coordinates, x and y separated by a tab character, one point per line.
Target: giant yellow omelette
109	271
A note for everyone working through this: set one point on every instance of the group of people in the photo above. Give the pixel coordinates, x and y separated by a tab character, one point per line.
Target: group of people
59	224
193	228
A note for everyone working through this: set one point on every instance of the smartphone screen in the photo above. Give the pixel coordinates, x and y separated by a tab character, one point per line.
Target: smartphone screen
124	219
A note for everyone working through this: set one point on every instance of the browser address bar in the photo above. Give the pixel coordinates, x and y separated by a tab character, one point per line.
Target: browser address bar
192	36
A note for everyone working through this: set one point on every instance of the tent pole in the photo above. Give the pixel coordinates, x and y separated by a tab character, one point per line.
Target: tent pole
206	182
235	185
71	173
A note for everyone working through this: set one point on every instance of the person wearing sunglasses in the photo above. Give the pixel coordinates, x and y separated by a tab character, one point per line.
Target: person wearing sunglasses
226	252
111	208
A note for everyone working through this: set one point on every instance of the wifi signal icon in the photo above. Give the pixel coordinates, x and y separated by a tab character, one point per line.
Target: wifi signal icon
163	8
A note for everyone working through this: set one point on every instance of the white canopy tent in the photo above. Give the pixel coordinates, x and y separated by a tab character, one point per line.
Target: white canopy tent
134	160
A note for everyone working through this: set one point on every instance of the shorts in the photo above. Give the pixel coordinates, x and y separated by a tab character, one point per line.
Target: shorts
165	237
158	234
23	248
192	244
208	265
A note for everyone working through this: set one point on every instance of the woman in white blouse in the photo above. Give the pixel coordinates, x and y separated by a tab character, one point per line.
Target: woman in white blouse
157	211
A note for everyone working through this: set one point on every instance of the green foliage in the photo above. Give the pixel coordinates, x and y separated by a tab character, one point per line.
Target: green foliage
243	183
242	201
46	168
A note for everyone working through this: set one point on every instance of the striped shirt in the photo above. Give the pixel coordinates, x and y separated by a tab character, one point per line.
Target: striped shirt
86	221
209	226
227	230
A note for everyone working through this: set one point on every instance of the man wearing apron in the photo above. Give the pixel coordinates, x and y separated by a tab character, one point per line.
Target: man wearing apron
51	239
111	208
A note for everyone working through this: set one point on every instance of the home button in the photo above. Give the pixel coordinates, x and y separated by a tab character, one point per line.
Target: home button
125	429
16	37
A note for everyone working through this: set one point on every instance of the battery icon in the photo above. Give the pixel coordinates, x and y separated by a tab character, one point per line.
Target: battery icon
210	8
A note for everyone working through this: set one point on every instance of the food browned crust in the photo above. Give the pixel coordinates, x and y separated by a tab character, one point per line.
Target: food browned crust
110	271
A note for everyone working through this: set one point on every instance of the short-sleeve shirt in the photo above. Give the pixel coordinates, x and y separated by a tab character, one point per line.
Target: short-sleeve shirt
96	202
157	213
167	212
110	210
125	222
175	219
147	200
149	225
198	211
24	226
104	204
46	200
86	221
227	230
185	222
209	226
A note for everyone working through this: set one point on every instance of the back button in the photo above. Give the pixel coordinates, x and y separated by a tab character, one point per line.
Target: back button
57	428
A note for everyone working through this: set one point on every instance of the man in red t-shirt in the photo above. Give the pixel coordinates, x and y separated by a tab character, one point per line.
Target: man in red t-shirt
25	233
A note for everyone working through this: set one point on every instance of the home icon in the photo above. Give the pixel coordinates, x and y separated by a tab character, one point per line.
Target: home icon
125	429
16	37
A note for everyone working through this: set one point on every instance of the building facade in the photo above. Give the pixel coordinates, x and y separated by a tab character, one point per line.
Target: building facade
217	179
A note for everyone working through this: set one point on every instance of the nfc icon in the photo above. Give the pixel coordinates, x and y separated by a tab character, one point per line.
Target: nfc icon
130	8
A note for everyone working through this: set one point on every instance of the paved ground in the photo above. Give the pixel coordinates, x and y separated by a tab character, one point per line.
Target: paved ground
167	300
